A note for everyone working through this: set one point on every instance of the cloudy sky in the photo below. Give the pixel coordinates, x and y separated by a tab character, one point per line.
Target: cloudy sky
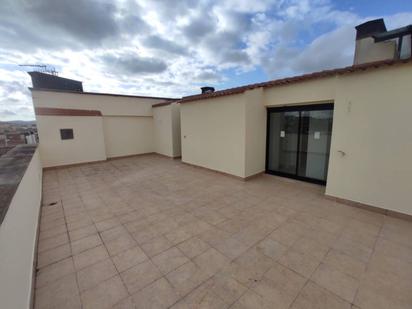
172	47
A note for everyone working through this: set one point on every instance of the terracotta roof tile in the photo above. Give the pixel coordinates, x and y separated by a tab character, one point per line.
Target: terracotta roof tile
165	103
295	79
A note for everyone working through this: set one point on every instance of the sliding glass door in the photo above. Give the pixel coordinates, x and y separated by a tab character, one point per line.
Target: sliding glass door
298	141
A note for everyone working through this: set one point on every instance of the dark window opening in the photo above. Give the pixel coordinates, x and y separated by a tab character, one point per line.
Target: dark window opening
66	133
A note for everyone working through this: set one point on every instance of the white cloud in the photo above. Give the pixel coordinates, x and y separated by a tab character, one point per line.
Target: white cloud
159	47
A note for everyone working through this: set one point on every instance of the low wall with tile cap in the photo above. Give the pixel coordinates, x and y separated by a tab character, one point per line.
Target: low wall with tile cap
18	231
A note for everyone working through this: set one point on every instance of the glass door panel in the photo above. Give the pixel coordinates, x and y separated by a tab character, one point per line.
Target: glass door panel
314	143
283	147
298	141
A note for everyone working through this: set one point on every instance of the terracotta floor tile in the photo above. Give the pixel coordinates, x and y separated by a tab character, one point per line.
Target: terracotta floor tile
394	250
90	257
230	247
53	255
126	303
146	234
314	297
250	267
280	285
53	242
335	281
193	247
61	229
211	260
204	297
107	224
377	297
353	249
139	276
177	236
252	300
186	277
82	232
104	295
303	264
44	226
160	294
287	234
92	275
55	271
113	233
129	258
156	245
221	242
81	222
345	264
311	247
271	248
62	293
85	243
169	260
120	244
227	288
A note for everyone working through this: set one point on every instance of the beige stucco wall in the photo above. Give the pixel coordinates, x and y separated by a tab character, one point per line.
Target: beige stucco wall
126	136
213	134
311	91
88	144
176	134
126	127
166	120
366	50
255	132
372	126
108	105
162	130
18	234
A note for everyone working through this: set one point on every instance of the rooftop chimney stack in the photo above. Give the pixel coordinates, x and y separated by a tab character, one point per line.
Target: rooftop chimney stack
207	89
375	43
42	80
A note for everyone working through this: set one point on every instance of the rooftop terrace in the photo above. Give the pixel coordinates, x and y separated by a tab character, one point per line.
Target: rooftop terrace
151	232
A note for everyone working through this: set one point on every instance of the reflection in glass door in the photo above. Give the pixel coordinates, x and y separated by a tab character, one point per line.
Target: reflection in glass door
298	141
283	148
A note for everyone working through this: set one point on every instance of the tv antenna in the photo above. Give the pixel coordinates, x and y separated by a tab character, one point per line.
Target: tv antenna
43	68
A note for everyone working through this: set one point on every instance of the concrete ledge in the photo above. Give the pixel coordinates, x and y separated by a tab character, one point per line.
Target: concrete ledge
254	175
225	174
380	210
13	166
131	156
71	165
168	157
98	161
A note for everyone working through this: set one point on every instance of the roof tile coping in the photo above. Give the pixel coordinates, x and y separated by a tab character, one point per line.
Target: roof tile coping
295	79
165	103
13	166
102	93
49	111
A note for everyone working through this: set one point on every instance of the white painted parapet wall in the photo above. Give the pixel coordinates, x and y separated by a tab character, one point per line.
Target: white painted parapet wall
18	234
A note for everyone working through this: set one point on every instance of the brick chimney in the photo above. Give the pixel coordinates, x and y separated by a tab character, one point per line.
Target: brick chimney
375	43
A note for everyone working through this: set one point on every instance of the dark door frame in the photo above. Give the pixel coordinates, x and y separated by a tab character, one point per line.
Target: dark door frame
298	108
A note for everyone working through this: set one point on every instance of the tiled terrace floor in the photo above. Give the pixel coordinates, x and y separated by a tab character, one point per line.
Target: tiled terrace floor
150	232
